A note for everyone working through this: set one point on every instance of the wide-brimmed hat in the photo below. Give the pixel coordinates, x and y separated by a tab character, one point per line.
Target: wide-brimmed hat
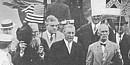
121	20
7	24
34	26
6	38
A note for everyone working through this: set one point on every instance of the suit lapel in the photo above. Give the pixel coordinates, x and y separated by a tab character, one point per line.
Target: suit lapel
99	49
107	50
73	48
65	48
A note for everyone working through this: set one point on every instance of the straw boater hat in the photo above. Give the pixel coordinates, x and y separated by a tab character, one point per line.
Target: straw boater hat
7	24
5	40
121	20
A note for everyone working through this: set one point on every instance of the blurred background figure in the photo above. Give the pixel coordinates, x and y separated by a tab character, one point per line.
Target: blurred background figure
122	38
41	54
60	10
5	42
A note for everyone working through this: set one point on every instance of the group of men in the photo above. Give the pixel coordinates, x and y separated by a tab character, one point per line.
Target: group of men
97	44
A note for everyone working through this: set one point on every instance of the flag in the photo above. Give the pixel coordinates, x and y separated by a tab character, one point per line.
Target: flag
126	8
106	7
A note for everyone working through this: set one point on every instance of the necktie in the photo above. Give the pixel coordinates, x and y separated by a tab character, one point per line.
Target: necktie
119	38
94	29
69	47
51	38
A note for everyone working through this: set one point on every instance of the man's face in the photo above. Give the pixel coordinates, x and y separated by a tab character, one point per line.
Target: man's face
104	32
40	49
69	34
52	27
96	19
7	30
120	29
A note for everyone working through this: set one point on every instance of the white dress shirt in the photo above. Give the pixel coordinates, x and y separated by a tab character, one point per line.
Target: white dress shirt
68	45
5	58
93	26
103	47
118	38
49	36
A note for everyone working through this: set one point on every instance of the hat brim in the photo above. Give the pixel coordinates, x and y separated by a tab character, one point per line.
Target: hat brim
121	22
8	26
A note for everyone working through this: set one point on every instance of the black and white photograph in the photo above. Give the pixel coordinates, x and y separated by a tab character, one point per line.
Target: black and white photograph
64	32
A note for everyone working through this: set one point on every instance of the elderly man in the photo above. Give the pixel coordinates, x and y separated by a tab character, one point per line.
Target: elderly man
122	38
5	57
66	51
103	52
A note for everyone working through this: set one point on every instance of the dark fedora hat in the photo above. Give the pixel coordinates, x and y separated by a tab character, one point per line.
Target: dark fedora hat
121	20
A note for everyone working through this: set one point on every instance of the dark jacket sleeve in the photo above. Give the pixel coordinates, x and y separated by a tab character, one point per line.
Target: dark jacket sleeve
117	59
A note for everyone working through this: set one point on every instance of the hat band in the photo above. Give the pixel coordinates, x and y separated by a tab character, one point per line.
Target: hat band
7	25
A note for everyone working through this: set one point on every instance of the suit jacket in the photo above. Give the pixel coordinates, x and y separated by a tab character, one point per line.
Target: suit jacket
111	55
60	55
86	37
58	36
125	47
18	60
59	10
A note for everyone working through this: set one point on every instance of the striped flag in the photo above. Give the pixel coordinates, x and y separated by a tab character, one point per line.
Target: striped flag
34	13
106	7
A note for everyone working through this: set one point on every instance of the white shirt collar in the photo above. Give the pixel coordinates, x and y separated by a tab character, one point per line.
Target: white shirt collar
117	35
70	46
93	25
49	34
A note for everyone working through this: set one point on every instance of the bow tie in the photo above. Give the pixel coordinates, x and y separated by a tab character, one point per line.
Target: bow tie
103	44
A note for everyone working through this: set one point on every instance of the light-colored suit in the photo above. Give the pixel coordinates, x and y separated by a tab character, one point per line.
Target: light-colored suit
111	55
57	37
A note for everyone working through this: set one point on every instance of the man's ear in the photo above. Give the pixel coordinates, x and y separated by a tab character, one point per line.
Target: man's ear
98	33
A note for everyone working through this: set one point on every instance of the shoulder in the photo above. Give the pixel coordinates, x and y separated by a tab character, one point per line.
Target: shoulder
83	27
58	43
94	44
60	34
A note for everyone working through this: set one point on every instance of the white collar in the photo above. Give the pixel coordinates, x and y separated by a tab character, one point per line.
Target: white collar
103	42
117	35
49	34
93	25
66	42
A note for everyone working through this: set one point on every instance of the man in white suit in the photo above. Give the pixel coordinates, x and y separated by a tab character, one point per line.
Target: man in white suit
103	52
5	57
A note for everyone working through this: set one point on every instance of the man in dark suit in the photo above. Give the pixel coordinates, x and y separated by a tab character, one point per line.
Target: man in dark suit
122	39
87	33
103	52
59	9
66	51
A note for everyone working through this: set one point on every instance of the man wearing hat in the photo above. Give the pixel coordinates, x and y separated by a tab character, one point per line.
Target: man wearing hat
122	38
5	57
7	27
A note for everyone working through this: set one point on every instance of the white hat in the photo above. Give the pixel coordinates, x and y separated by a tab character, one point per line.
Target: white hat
34	26
6	37
7	24
67	21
